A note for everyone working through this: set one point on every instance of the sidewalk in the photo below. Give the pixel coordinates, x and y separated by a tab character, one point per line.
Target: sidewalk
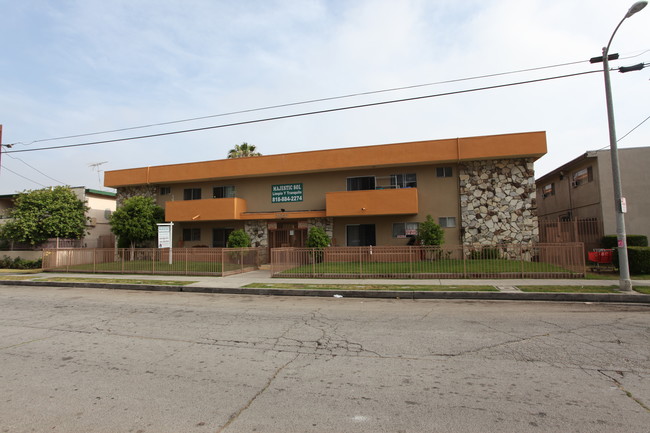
234	284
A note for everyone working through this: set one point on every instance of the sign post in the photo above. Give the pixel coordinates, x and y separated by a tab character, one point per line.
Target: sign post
165	237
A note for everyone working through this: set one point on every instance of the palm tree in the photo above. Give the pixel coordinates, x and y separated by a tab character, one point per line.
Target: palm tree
243	150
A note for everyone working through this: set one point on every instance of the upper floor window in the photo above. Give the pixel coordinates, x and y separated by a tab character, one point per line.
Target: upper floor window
581	177
164	190
361	183
403	180
548	190
444	172
192	194
223	191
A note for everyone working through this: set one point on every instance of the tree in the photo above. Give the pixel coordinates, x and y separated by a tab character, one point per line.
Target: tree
243	150
238	239
46	213
135	220
317	239
430	233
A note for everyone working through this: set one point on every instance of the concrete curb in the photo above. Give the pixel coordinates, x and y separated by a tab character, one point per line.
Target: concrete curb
634	298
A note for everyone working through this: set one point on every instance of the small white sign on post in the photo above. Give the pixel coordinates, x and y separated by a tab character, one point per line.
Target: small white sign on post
165	237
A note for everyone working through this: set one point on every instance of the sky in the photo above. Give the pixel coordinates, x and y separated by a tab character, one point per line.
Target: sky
69	68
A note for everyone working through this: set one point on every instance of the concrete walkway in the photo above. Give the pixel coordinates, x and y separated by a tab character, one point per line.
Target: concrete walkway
508	289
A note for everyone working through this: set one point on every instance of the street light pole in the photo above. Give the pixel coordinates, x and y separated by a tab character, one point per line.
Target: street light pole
625	284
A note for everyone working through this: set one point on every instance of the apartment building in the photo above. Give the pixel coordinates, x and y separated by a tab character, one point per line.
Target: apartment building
481	190
582	190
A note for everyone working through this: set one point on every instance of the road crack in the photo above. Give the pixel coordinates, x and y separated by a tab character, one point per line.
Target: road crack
237	414
620	386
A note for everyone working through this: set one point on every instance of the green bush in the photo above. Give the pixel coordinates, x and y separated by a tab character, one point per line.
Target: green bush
611	241
638	258
430	233
18	263
484	254
317	238
238	239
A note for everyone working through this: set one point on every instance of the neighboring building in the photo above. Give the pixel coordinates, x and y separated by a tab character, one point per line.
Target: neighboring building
101	204
481	190
581	191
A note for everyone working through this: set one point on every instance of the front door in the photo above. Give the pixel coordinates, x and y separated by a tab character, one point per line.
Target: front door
287	234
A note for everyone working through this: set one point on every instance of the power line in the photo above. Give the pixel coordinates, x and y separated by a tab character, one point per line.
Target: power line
20	175
631	130
36	169
310	113
311	101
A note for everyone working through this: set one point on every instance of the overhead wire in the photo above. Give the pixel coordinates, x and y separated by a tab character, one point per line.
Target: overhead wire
309	113
36	169
311	101
20	175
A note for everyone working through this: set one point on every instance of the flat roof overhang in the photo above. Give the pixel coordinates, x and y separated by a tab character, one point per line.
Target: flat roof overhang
519	145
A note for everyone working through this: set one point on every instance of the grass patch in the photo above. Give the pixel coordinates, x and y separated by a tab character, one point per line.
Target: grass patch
569	289
21	271
642	289
15	277
149	266
117	281
443	266
382	287
613	276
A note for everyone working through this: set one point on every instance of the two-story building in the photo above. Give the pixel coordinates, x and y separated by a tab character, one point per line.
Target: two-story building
479	189
582	191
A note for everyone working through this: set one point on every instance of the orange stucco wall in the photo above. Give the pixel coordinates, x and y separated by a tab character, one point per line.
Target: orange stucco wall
372	202
531	144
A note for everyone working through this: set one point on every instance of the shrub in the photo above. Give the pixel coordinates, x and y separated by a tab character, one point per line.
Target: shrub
611	241
484	254
638	259
317	238
430	233
18	263
238	239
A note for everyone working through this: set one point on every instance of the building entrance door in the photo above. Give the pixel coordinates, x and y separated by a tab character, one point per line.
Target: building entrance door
286	234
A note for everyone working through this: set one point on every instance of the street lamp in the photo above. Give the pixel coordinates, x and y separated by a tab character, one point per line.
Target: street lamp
625	284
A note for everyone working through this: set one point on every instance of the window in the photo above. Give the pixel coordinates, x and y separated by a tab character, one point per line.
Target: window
220	237
581	177
192	194
360	235
191	234
361	183
223	191
447	222
444	172
405	230
403	180
164	190
548	190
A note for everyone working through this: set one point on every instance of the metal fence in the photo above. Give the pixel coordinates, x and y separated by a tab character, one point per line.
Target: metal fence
589	231
184	261
494	261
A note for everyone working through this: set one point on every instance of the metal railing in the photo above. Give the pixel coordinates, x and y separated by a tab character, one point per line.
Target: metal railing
487	261
184	261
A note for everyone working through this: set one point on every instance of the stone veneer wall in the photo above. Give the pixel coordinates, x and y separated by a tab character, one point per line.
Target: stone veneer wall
258	233
497	202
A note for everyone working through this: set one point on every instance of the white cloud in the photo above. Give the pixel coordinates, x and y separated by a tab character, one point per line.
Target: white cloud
83	66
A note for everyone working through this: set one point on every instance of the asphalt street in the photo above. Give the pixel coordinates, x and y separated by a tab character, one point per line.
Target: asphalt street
95	360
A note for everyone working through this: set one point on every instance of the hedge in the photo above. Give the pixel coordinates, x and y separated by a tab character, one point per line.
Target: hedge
611	241
638	258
